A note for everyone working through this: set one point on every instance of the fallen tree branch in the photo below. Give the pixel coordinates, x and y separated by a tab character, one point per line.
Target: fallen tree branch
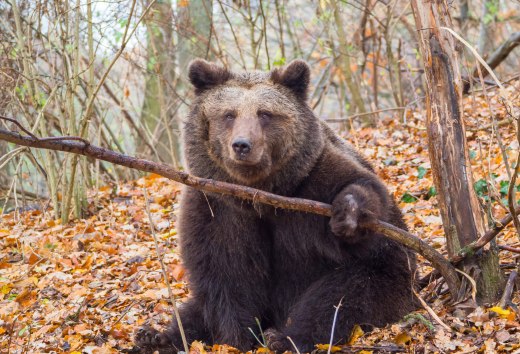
509	248
505	301
82	147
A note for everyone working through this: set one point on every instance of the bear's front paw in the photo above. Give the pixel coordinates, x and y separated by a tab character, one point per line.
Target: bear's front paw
277	341
345	215
148	339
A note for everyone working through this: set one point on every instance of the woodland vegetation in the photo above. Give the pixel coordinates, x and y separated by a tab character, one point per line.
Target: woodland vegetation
93	94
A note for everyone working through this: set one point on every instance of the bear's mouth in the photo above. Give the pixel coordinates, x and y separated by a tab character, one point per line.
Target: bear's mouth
244	161
246	171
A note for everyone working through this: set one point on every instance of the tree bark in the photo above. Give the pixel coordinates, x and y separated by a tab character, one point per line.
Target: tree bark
460	209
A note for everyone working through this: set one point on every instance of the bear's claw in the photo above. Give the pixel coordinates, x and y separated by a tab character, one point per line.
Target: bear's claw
148	339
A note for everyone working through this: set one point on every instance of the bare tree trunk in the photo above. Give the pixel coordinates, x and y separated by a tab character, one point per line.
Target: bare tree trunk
195	24
460	209
158	111
489	9
464	15
345	64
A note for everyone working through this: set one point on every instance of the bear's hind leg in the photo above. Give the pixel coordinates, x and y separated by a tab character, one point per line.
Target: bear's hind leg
367	298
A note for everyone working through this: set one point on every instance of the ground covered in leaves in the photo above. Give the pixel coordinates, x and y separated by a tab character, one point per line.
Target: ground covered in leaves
86	286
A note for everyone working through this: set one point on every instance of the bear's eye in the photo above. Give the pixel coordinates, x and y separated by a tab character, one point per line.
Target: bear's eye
229	116
265	115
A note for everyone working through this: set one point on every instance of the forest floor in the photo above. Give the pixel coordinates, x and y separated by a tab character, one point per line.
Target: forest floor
85	287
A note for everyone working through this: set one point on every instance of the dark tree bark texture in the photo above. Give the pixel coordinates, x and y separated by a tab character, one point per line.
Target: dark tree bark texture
460	209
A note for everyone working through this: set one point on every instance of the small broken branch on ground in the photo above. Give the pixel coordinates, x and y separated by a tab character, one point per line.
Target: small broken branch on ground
82	147
509	248
505	301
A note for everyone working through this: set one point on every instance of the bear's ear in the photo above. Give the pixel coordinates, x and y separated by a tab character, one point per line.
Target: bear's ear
204	75
295	76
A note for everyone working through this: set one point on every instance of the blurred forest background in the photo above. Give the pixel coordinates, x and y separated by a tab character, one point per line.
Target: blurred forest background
114	72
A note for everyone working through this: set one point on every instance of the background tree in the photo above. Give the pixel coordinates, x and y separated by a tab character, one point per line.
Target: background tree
158	113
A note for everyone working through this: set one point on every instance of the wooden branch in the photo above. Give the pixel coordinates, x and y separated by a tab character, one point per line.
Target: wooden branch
501	53
509	248
508	291
82	147
489	235
340	120
497	57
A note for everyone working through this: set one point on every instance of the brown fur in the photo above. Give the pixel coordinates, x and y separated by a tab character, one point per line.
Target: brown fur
288	269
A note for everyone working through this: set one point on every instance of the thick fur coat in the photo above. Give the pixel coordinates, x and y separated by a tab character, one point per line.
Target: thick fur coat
288	269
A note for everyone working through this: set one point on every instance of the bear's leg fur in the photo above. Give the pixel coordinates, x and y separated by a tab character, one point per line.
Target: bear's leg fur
368	297
226	254
148	339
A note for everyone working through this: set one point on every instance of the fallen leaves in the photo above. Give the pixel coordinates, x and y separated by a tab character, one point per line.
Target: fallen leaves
83	286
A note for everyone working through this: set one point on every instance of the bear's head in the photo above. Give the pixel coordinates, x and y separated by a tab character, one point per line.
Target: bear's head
250	124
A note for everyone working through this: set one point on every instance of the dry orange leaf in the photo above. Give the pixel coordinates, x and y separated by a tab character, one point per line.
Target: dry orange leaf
402	338
357	332
178	272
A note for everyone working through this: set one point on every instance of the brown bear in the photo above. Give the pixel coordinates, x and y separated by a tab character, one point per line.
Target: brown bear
247	261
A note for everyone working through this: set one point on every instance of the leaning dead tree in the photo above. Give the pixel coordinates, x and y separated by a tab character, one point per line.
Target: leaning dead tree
461	213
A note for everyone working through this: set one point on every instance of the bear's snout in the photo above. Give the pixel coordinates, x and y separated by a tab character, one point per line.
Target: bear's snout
241	146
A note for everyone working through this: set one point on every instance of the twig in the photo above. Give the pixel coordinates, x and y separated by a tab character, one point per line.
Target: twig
508	291
509	248
491	125
19	126
165	275
431	312
334	324
128	308
293	344
340	120
473	284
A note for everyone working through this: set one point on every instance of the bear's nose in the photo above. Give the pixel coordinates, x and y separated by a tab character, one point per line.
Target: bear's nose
241	146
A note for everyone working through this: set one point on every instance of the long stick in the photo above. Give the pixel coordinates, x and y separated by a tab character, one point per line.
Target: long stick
82	147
